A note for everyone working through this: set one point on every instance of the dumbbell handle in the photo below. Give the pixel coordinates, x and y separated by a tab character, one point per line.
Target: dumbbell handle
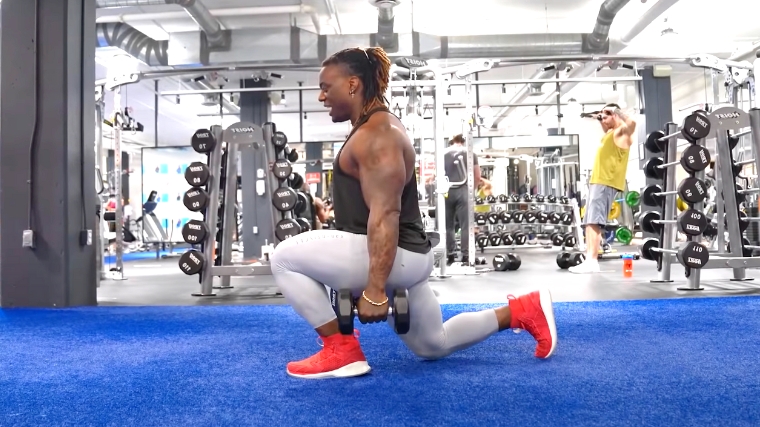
666	193
390	311
667	165
745	162
664	221
665	251
750	190
667	137
742	133
750	219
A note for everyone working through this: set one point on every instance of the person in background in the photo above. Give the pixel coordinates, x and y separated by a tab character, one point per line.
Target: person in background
455	162
607	179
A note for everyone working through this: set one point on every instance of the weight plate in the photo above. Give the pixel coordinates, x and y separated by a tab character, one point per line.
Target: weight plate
624	235
695	158
633	199
196	174
279	140
646	220
692	222
286	228
693	255
650	197
194	232
692	190
203	141
195	199
653	144
695	126
284	199
191	262
652	168
282	169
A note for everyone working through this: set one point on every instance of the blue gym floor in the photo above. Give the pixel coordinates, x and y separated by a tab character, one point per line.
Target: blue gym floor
678	362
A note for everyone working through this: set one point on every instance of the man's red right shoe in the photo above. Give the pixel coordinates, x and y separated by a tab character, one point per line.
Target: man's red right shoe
534	313
341	357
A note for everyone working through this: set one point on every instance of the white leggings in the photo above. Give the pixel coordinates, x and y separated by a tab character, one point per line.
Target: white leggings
340	260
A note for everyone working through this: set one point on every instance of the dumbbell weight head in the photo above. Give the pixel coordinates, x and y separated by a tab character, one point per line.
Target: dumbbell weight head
692	190
551	199
542	217
695	158
555	218
286	228
481	219
652	168
695	126
279	140
653	143
564	200
514	198
503	198
518	216
490	199
539	198
525	197
480	260
693	255
530	217
402	319
557	238
566	218
197	174
505	217
507	239
191	262
304	224
692	222
746	252
301	203
295	181
481	240
494	239
291	155
194	232
479	201
570	240
282	169
284	199
743	222
508	262
203	141
520	238
195	199
493	217
646	220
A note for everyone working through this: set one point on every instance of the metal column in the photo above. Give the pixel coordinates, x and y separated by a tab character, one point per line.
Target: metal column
718	179
440	172
727	185
118	172
100	241
229	222
212	214
470	174
668	231
754	122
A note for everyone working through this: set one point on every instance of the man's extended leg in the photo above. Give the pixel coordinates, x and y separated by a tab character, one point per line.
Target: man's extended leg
303	264
430	338
598	204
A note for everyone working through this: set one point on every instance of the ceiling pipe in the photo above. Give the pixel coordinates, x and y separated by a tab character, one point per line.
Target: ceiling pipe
150	51
385	19
218	13
524	92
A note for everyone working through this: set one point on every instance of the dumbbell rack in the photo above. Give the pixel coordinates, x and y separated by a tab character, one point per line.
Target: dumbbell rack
194	261
572	239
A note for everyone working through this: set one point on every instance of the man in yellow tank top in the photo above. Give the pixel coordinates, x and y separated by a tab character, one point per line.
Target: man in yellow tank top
607	179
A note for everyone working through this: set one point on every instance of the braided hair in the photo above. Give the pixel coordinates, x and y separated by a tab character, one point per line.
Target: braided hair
372	66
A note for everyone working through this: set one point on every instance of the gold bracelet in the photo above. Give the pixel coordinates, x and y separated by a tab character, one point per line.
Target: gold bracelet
372	302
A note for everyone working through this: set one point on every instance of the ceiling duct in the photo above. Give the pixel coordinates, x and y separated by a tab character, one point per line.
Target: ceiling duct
150	51
385	36
216	37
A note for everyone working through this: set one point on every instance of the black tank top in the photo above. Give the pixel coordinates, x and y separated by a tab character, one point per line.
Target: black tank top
352	214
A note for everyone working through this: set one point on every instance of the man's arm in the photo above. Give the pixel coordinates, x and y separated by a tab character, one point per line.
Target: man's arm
321	211
382	175
625	132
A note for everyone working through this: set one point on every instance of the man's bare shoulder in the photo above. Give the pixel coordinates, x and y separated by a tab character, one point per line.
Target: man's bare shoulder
382	131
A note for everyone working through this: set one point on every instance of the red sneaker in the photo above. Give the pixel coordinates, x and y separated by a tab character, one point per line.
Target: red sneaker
533	312
341	356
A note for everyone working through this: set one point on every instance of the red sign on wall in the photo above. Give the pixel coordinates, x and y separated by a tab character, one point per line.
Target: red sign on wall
313	177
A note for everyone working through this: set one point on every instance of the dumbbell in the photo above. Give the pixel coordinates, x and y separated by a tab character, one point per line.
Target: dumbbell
491	198
513	238
530	216
557	238
479	200
493	217
505	217
555	217
481	240
691	190
569	240
694	127
503	198
690	222
551	198
480	260
566	260
191	262
481	219
526	197
539	198
518	216
690	254
344	305
506	262
542	217
746	247
494	239
695	158
564	200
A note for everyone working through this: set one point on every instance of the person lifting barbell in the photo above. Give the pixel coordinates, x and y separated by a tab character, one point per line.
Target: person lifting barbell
608	177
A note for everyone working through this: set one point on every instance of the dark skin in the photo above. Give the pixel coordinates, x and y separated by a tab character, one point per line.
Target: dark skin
380	155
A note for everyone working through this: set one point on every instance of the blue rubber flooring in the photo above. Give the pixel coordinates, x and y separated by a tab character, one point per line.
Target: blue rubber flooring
688	362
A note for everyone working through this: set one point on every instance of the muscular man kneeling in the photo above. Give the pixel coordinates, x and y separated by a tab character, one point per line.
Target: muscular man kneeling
379	243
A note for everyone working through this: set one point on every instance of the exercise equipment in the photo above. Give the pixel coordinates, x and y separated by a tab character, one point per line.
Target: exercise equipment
694	159
566	260
203	141
279	140
690	254
282	169
284	199
192	262
344	305
287	228
195	199
690	222
194	231
196	174
691	190
695	126
508	262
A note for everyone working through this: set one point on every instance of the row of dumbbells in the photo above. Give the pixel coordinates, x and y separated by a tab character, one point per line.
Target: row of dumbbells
529	217
524	198
509	238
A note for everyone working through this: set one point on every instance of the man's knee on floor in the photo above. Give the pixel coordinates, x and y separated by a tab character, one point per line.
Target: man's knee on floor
428	350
